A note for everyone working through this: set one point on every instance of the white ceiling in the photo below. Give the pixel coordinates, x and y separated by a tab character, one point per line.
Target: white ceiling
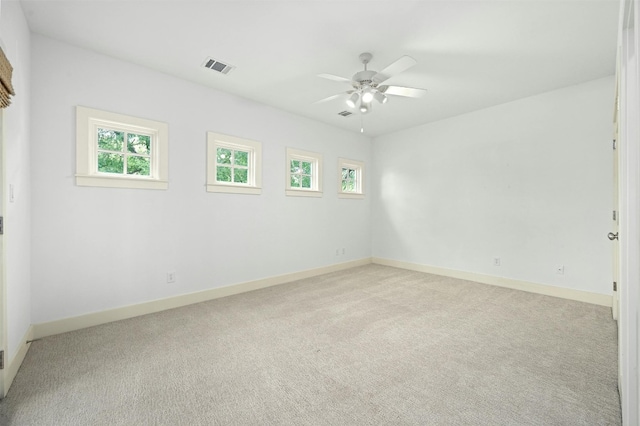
471	54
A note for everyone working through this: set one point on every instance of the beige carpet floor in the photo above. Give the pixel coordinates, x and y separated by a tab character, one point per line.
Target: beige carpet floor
367	346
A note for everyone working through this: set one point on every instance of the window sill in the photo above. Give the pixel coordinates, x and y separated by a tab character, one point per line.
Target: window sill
302	193
121	182
231	189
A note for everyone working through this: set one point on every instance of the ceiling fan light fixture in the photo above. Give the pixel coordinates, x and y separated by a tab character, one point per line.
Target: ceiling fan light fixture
367	95
353	99
367	85
380	97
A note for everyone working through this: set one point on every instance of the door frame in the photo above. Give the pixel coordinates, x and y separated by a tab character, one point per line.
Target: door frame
4	330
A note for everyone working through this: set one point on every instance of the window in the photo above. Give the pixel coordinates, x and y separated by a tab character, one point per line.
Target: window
233	164
303	173
350	178
120	151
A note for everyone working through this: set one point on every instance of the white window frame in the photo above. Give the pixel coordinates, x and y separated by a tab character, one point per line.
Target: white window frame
88	120
316	178
359	167
254	174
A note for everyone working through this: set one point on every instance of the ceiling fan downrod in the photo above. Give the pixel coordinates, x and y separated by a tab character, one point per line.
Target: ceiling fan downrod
365	58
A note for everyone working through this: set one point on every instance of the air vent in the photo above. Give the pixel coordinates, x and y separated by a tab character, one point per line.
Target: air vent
345	113
214	64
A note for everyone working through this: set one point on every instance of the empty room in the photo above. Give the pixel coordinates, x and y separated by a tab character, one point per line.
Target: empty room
319	212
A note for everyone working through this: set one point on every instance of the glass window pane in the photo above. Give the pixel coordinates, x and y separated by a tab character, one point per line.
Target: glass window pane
295	166
241	158
223	174
223	157
110	140
306	168
345	173
110	163
306	181
139	144
138	166
352	174
348	185
240	175
295	181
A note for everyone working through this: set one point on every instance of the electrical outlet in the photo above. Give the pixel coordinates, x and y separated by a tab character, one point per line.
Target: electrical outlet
560	270
171	277
496	261
337	252
342	251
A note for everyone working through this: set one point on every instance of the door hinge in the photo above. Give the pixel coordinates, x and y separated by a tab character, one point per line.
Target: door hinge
1	225
1	360
615	215
614	144
615	286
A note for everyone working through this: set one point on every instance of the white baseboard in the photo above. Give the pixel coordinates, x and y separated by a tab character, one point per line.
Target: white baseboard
96	318
548	290
16	361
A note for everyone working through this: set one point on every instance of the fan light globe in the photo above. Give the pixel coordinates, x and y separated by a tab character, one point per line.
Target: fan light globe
367	96
381	97
351	102
364	107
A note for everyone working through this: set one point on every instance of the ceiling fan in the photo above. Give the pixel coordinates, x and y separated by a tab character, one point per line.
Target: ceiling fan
367	85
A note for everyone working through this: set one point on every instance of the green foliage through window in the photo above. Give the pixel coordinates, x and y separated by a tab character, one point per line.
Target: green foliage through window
301	174
232	165
110	163
349	180
114	156
223	174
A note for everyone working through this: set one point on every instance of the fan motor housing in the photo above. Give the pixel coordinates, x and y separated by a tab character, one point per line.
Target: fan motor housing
364	78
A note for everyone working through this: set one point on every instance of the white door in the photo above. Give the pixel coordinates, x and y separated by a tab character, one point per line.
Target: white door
615	305
615	308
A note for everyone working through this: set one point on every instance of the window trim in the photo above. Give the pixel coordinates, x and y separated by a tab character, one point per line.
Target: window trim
87	122
316	179
359	167
254	174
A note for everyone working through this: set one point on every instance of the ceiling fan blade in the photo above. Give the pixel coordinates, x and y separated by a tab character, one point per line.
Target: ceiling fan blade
397	67
339	95
335	78
410	92
330	98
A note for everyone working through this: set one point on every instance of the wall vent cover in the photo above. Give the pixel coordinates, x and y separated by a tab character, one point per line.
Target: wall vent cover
216	65
345	113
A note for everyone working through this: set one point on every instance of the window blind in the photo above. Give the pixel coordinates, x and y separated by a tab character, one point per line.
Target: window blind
6	89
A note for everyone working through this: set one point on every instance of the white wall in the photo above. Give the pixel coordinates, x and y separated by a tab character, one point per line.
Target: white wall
99	248
15	38
529	181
